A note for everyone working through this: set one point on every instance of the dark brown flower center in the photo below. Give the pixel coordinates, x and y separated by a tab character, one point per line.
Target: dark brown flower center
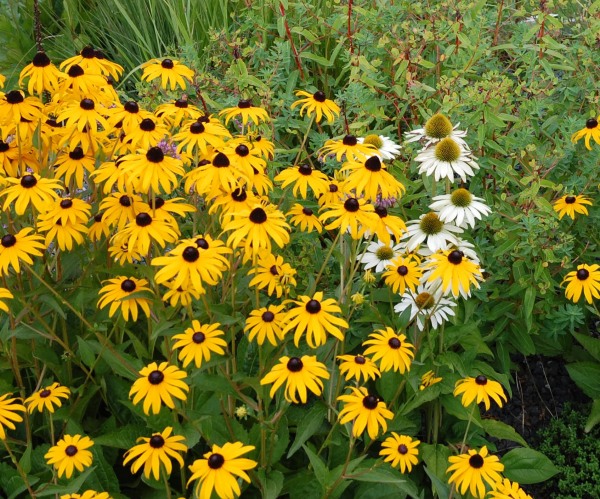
125	201
87	104
258	216
155	155
14	97
196	127
481	380
28	181
352	205
158	203
88	52
8	240
402	449
75	71
167	64
220	160
66	203
333	188
370	402
45	393
455	257
305	169
360	360
198	337
156	441
381	211
349	140
268	316
190	254
4	146
242	150
202	243
319	96
476	461
294	365
274	270
76	154
215	461
239	195
570	199
156	377
244	104
583	274
181	103
373	164
147	125
394	343
41	60
313	306
132	107
591	123
70	450
143	219
98	217
128	286
402	270
307	211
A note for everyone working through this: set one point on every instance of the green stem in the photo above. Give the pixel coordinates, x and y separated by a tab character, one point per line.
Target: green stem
19	469
327	257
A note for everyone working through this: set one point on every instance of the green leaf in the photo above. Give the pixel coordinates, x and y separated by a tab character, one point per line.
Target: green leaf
71	488
307	427
594	417
591	345
435	458
528	303
586	376
271	484
527	466
501	430
318	465
122	438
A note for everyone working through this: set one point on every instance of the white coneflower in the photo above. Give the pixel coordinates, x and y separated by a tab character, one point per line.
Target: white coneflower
460	207
379	255
426	303
446	159
436	128
431	230
386	147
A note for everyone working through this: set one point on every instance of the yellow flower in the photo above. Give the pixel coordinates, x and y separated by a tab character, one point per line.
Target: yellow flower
266	323
123	292
591	131
456	272
506	489
159	384
357	367
47	398
247	111
400	451
300	375
8	415
155	453
273	273
349	148
471	469
30	189
369	177
70	453
219	470
42	74
428	379
366	411
570	205
391	349
15	248
5	294
302	177
170	71
198	341
586	280
403	272
305	218
354	216
480	389
317	103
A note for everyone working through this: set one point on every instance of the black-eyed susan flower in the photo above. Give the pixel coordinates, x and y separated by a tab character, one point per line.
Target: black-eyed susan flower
15	248
152	169
586	280
42	75
387	225
349	148
333	194
506	489
354	216
436	128
470	470
14	106
254	229
200	134
314	317
300	375
266	323
73	164
479	389
429	379
176	112
8	413
318	104
171	72
211	177
357	367
460	207
590	131
403	273
30	189
96	61
87	494
244	160
159	384
5	294
229	202
145	135
128	116
256	142
164	209
220	470
70	453
429	229
570	205
145	229
305	218
391	350
447	159
455	271
426	303
120	253
123	293
366	411
120	208
400	451
78	82
302	177
99	228
156	452
85	114
178	294
273	273
246	111
198	342
47	398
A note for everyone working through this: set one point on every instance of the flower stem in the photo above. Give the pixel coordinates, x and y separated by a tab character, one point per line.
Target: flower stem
19	469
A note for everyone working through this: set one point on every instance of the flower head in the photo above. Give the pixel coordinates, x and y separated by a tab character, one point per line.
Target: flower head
369	177
357	367
431	230
437	128
273	273
590	131
159	384
460	207
403	273
42	74
391	350
586	280
366	411
247	111
400	451
15	248
47	398
470	470
8	413
170	71
349	148
447	159
480	389
302	177
123	293
266	323
220	469
156	453
456	272
428	379
69	453
317	103
197	343
426	303
506	489
570	205
300	375
30	189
